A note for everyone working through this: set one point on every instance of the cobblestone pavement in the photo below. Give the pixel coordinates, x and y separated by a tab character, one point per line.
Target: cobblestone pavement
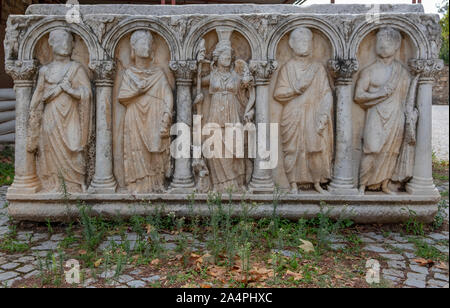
399	267
440	131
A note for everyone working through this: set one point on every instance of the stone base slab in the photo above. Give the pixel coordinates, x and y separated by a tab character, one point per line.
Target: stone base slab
370	208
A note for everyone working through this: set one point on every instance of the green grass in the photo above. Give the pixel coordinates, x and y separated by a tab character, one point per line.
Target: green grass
6	166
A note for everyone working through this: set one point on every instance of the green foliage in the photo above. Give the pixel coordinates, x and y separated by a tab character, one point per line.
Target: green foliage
443	9
6	166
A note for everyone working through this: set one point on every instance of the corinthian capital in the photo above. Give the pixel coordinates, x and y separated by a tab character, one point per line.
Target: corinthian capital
21	70
263	70
426	67
183	70
104	70
343	68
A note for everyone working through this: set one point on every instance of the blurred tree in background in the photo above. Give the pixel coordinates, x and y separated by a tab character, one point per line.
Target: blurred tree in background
443	9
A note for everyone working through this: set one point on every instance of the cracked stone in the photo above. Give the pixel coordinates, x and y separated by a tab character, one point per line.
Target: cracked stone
32	274
49	245
391	278
443	249
437	283
124	278
410	247
438	236
415	283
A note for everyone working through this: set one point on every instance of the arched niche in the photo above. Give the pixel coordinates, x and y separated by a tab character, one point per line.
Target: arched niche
322	52
161	58
80	53
366	55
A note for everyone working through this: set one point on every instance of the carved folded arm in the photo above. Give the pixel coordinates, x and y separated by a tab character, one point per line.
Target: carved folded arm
362	95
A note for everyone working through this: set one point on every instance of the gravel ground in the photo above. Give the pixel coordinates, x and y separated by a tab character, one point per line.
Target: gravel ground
440	131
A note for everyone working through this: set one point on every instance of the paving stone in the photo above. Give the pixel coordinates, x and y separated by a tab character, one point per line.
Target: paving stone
438	236
337	247
25	269
32	274
366	240
392	256
136	284
443	249
124	278
393	272
107	274
418	269
170	246
416	276
49	245
285	253
437	283
392	278
10	282
8	275
415	283
26	259
136	272
399	238
409	247
57	237
335	239
396	264
377	237
410	255
10	266
152	279
374	248
88	282
441	277
39	237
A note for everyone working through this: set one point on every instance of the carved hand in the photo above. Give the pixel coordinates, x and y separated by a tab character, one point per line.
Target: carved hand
248	117
67	87
322	123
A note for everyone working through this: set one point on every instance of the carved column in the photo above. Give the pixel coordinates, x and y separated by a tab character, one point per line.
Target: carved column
342	182
262	180
103	180
422	181
183	180
25	179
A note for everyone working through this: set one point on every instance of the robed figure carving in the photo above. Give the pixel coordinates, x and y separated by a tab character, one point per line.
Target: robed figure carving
306	123
148	98
232	103
382	90
60	118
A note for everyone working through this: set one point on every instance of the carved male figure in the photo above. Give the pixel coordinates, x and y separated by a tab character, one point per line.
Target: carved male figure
60	118
148	98
382	89
306	124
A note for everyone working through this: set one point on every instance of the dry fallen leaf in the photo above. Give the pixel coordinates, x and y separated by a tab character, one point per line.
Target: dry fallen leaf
205	286
306	246
82	252
297	276
424	262
155	262
98	262
442	266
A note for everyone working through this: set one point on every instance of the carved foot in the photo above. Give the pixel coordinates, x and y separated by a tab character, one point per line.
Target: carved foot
320	190
362	190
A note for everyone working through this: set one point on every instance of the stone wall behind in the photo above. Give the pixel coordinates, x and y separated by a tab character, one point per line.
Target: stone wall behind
440	89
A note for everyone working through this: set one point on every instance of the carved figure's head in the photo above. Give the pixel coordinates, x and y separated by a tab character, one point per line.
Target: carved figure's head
61	42
388	42
301	41
141	44
223	54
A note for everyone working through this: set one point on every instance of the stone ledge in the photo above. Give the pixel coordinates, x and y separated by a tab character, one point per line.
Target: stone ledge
361	209
155	10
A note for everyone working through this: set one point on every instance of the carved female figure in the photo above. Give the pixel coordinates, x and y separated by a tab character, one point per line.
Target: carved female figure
382	89
148	98
306	124
226	107
60	118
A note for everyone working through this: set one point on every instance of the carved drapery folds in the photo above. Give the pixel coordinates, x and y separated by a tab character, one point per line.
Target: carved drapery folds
230	62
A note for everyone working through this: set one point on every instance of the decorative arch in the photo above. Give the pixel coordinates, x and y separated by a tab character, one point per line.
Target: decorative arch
113	37
199	30
423	48
331	33
38	30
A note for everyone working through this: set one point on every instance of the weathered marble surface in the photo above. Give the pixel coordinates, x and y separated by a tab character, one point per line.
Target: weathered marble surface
147	67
